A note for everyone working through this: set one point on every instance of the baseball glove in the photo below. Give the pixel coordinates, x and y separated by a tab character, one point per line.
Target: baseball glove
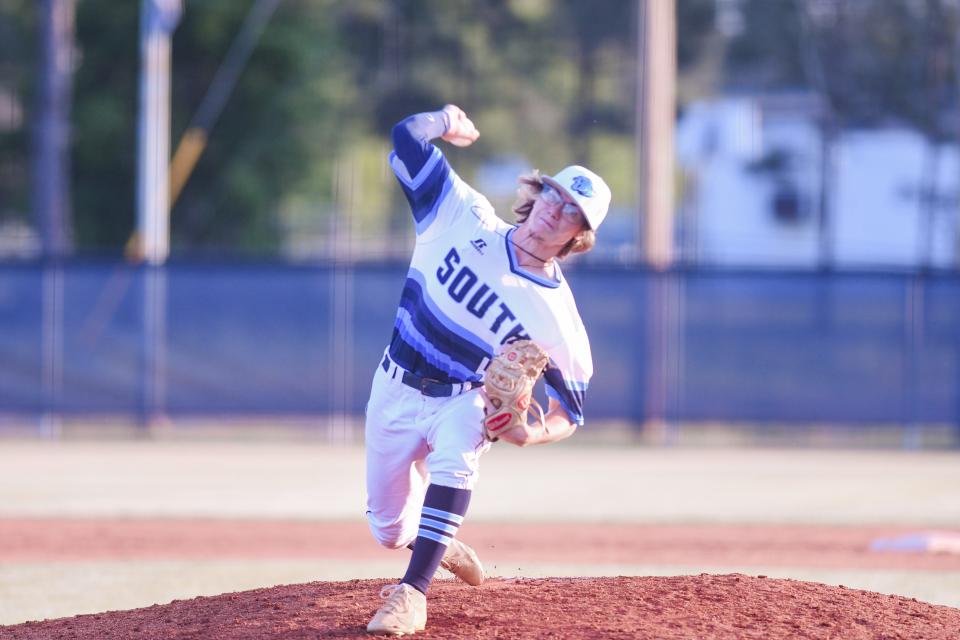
508	387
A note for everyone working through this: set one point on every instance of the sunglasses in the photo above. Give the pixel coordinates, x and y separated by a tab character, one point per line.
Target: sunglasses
554	198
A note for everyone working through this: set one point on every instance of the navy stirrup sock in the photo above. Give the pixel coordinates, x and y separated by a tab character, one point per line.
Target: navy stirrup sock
442	515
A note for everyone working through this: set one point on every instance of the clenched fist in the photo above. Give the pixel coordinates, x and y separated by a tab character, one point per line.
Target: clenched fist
462	132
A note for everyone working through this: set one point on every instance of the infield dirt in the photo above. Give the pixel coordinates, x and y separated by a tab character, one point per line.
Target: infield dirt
705	606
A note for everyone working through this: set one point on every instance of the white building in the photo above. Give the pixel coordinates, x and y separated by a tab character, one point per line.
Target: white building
751	192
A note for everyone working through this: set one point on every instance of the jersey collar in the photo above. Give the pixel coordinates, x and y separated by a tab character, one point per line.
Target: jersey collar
523	273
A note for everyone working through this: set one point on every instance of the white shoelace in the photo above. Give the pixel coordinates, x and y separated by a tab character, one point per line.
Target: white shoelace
393	605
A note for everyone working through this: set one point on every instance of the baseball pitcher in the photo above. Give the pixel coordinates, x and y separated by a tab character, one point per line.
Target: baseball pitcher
484	312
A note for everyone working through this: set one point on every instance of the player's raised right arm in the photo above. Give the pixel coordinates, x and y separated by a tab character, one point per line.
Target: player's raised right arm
420	167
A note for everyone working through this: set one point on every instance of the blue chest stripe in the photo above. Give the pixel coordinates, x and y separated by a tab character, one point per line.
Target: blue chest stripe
411	359
440	359
429	344
412	307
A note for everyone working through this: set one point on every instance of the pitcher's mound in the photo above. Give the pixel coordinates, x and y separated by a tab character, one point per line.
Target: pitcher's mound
704	606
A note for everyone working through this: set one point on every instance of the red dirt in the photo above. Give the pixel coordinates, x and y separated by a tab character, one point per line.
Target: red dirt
705	606
503	547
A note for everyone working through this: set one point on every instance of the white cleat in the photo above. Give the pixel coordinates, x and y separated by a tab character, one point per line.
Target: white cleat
405	611
462	561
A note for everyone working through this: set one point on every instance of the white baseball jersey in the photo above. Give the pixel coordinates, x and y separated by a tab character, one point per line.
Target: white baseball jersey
465	293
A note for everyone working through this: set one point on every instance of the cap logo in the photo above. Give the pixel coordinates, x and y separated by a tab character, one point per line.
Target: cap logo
583	186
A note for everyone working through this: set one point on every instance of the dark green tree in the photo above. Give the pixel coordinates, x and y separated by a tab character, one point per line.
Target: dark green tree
874	61
18	60
286	117
262	146
104	124
547	79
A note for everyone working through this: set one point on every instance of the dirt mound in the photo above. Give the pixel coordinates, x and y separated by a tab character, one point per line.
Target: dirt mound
704	606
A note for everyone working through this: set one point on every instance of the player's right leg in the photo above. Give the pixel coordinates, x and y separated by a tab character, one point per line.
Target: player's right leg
395	450
396	483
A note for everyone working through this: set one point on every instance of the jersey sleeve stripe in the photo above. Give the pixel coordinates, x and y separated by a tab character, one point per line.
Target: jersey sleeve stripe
414	183
423	216
427	191
421	169
569	393
576	417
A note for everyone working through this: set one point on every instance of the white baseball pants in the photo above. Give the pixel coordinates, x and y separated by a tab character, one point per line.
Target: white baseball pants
412	441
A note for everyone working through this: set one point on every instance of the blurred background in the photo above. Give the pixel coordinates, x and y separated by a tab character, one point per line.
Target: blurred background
198	225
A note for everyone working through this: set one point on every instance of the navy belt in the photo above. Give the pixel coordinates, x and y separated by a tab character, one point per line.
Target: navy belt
427	386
